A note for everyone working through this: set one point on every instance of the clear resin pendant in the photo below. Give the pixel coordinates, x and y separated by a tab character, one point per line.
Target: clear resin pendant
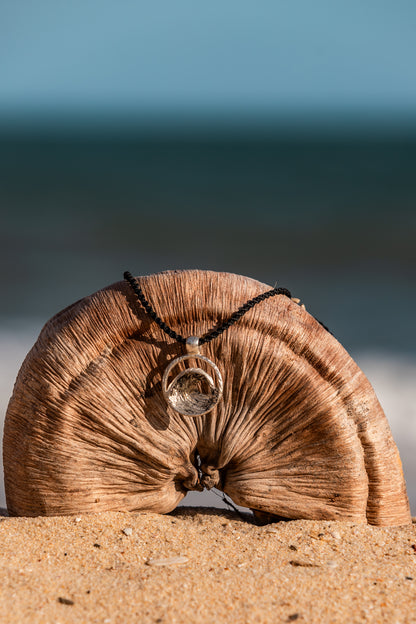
193	391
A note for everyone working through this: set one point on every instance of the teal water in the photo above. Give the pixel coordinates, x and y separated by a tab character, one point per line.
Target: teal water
332	219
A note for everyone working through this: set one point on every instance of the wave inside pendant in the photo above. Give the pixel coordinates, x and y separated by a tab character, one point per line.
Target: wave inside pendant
193	392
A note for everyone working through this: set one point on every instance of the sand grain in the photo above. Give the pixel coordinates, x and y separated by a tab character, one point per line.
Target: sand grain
203	566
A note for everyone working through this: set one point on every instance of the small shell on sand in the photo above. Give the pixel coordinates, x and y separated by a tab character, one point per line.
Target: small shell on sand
167	562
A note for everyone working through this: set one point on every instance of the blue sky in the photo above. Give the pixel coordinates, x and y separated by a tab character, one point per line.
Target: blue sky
227	58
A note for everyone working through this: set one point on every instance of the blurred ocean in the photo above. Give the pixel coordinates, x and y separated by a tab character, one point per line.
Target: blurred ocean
332	218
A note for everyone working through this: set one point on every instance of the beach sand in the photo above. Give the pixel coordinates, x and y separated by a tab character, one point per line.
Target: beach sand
204	565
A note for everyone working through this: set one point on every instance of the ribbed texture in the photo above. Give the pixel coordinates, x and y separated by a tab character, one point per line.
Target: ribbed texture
298	433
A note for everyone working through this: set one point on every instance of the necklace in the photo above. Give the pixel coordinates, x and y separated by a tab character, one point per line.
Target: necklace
193	391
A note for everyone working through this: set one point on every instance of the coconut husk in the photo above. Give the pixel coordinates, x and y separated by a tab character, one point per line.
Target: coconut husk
298	431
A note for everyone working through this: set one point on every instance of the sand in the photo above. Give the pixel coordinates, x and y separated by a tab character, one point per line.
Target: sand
202	565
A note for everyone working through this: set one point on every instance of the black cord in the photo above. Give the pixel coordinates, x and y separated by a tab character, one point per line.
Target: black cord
138	291
241	311
214	333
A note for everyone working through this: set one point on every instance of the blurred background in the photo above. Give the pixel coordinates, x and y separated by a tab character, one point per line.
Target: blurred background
273	139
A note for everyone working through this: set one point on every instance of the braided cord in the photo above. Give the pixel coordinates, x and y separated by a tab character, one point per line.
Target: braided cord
240	312
215	332
139	293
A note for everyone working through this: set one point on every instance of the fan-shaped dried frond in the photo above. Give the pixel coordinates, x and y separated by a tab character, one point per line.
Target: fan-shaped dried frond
298	432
